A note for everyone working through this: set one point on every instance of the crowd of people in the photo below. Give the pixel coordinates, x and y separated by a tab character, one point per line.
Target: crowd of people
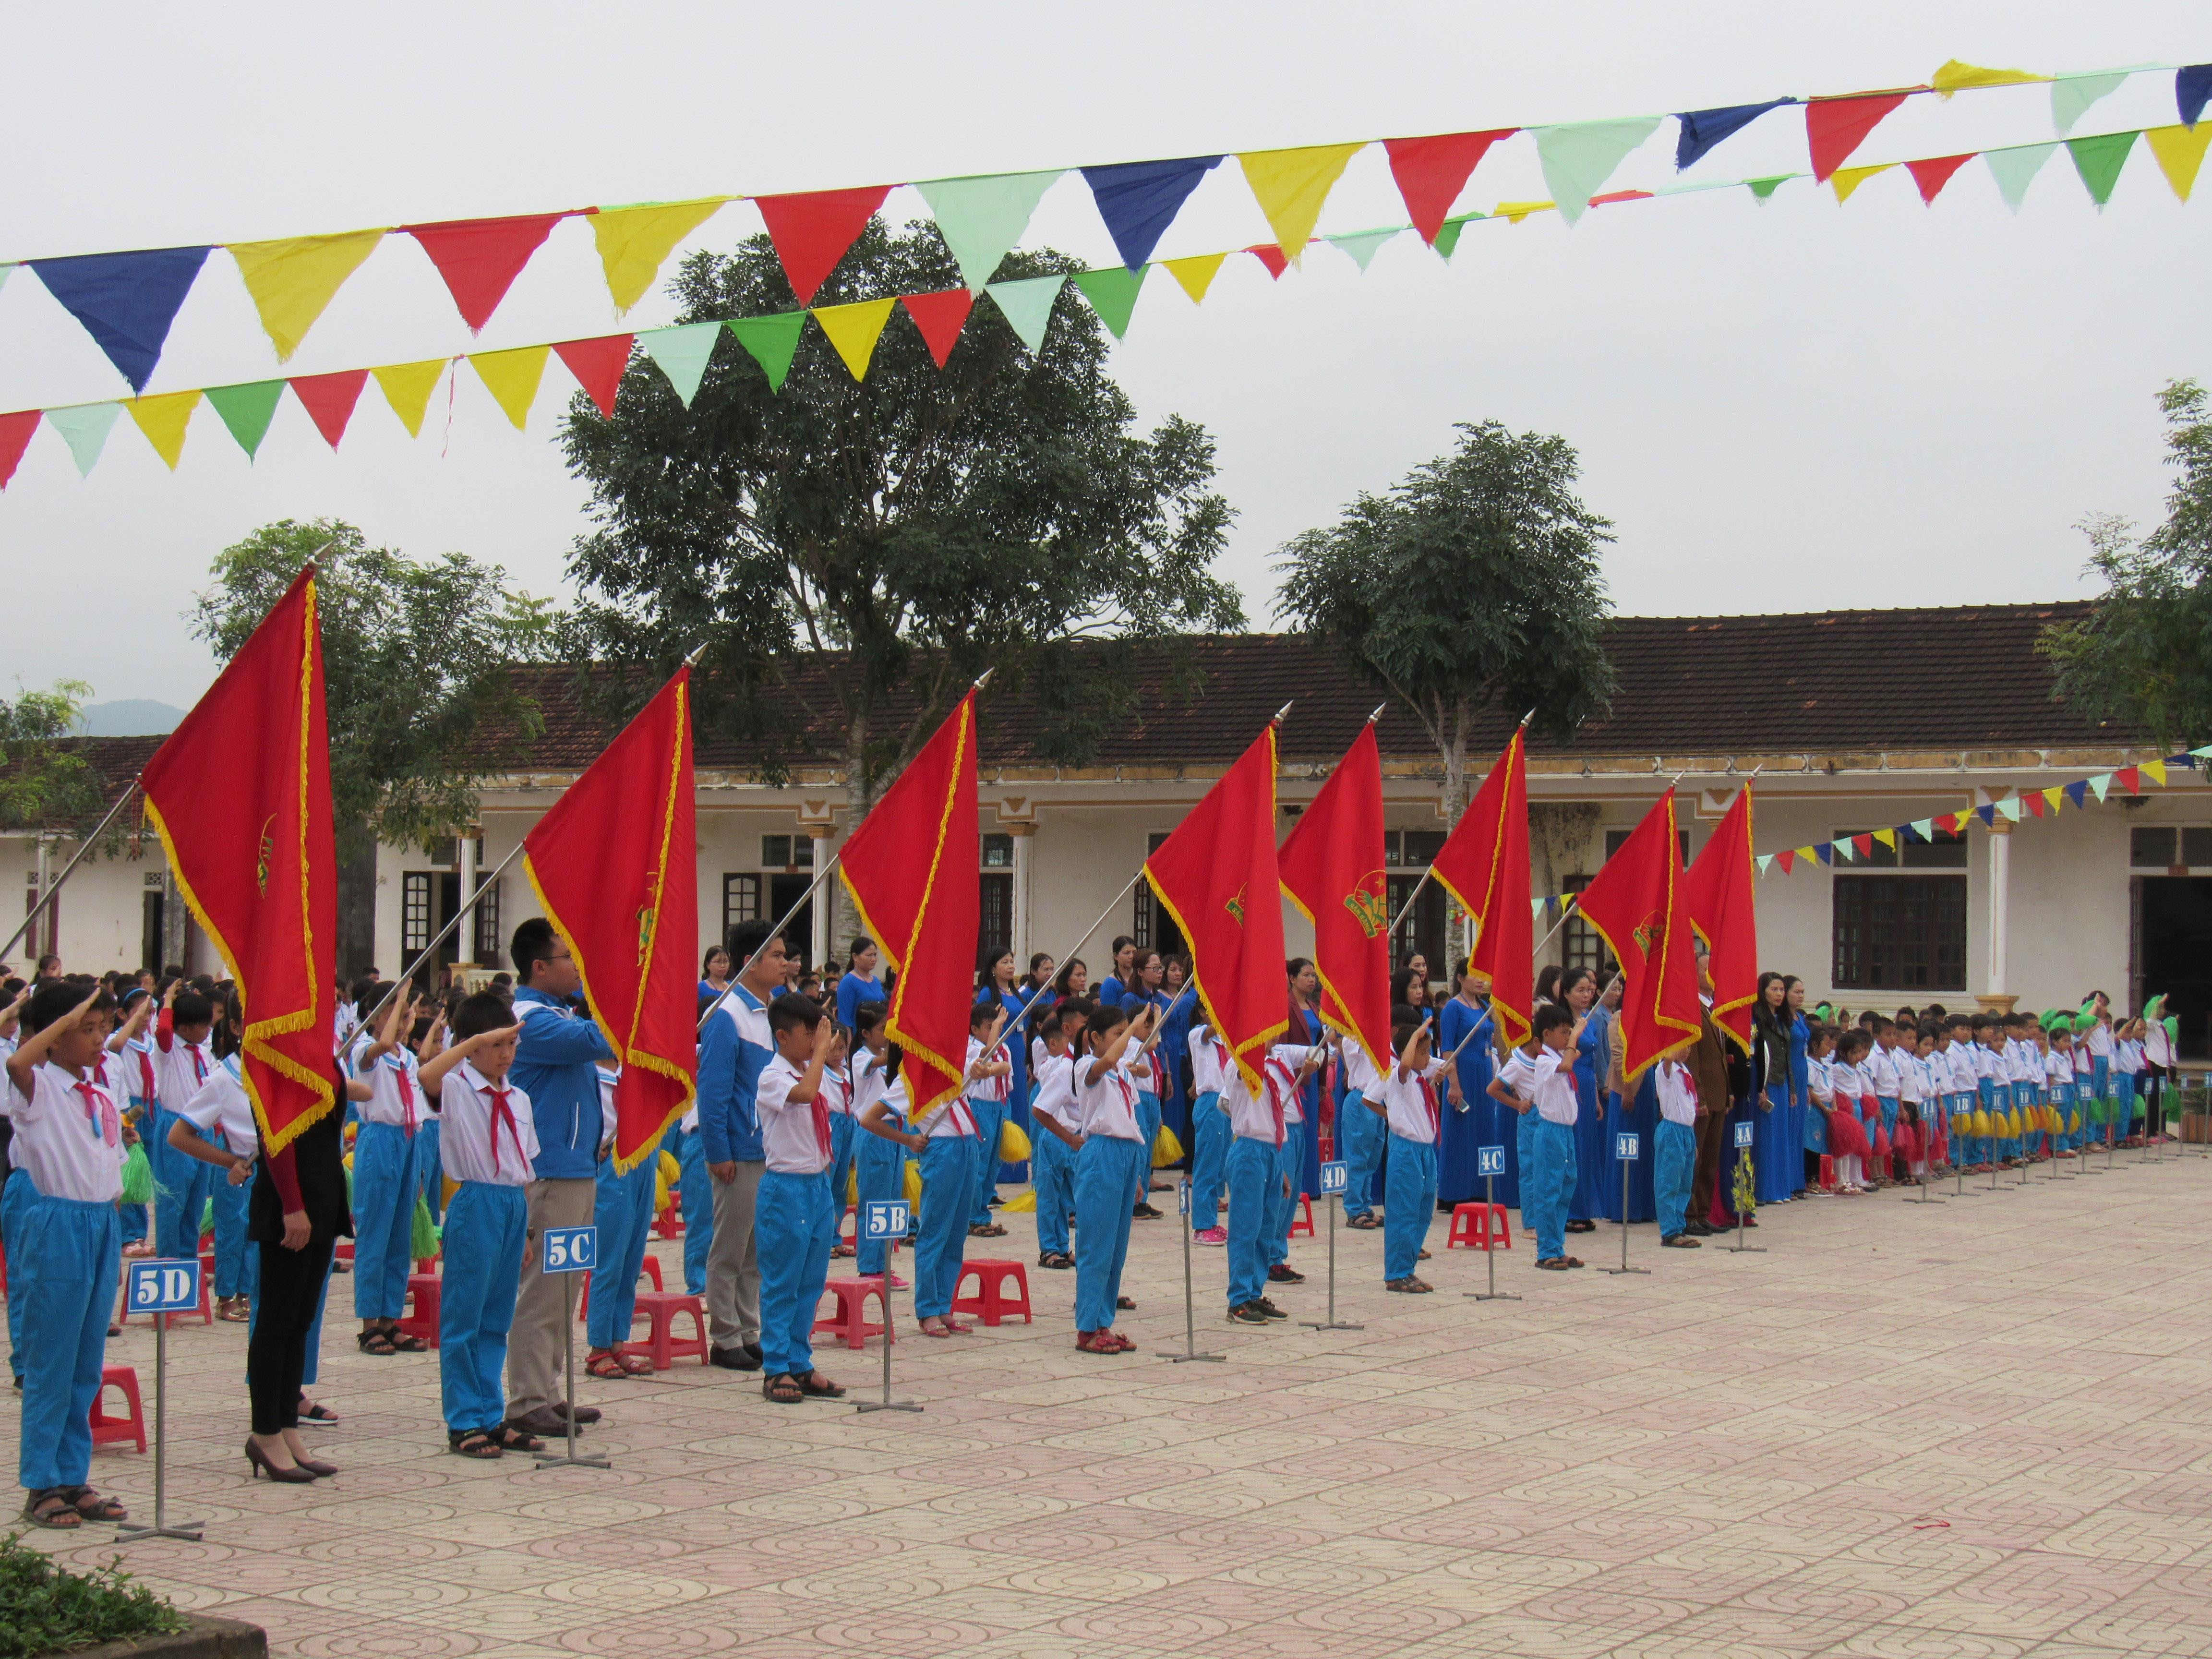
480	1120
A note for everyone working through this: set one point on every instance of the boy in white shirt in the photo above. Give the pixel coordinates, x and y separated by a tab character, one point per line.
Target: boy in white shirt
1362	1135
182	1061
1255	1176
385	1178
1288	1066
1112	1160
1539	1078
794	1219
989	1070
488	1142
1209	1126
1675	1148
945	1135
1058	1142
1407	1103
880	1151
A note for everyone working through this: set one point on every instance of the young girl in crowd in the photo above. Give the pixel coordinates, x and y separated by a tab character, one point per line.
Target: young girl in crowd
1107	1171
1058	1140
1537	1080
881	1140
1847	1089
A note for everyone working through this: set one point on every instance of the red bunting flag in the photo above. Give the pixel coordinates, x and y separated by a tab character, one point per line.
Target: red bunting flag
615	866
1332	868
1633	902
329	399
2034	799
480	258
1931	175
1834	127
597	365
1863	846
909	868
1270	255
1217	876
15	430
1484	863
241	794
940	317
1717	896
1432	172
812	233
2130	778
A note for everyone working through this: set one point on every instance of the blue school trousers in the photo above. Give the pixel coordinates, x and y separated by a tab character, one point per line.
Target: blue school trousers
696	1184
1362	1132
881	1170
1283	1204
621	1209
429	1167
1409	1203
182	1187
234	1259
485	1229
1526	1157
842	1128
990	1118
16	1197
1209	1156
794	1224
71	1253
1052	1170
134	1222
1555	1165
2124	1119
1148	1122
384	1187
948	1192
1253	1174
1674	1166
1105	1173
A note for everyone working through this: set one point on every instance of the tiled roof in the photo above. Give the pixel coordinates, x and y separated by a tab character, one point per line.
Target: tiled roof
115	763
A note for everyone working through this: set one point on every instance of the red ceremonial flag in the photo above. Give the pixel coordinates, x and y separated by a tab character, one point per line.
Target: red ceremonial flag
811	231
1717	895
1332	868
1217	876
1432	172
1485	865
480	258
615	866
1632	902
910	867
240	792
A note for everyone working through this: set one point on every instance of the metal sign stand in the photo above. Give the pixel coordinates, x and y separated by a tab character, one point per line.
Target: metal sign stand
1489	1160
159	1288
1333	1182
1626	1148
1189	1308
1959	1167
1743	1133
569	1251
1927	1154
885	1218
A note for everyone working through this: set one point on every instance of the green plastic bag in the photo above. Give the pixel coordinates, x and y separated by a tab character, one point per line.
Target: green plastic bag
423	1241
138	1177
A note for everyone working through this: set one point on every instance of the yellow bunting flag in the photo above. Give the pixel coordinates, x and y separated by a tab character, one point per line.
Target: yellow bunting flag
2154	770
292	280
1955	76
634	241
854	329
1516	211
1196	274
512	378
2180	152
1290	185
407	387
163	419
2055	799
1886	837
1847	179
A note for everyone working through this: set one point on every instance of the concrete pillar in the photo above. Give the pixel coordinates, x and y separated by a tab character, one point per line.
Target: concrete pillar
1023	835
2000	905
464	953
825	897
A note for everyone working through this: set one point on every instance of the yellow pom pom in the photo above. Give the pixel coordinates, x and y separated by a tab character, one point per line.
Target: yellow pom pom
348	1161
914	1183
670	1170
1013	1144
1167	1150
445	1197
1025	1204
852	1183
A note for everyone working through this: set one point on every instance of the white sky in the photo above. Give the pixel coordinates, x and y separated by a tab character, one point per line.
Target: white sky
1787	407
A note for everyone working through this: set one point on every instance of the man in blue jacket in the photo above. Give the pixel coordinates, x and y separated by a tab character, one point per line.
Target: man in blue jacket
556	1064
734	1050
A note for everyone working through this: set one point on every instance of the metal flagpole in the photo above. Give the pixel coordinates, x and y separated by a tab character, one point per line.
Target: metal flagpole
430	952
1406	908
84	848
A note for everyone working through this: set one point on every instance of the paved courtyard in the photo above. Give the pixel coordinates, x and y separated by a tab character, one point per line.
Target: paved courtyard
1983	1428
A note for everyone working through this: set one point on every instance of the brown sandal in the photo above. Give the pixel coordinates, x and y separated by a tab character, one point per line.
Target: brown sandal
784	1390
92	1507
815	1386
51	1509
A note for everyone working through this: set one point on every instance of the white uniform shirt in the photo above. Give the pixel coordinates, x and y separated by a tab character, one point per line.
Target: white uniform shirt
180	1070
395	1097
788	1137
1911	1079
1289	1056
1847	1084
1055	1095
1410	1103
1820	1079
1209	1062
68	1136
1547	1079
988	1088
1360	1075
1108	1106
465	1144
1678	1092
2059	1069
222	1112
1881	1073
1964	1073
1249	1119
134	1071
947	1121
871	1078
2158	1045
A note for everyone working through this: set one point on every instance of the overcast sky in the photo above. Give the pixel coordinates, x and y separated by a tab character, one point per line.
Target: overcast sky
1786	406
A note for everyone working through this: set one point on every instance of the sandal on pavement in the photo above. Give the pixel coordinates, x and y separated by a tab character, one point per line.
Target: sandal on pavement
1127	1303
815	1386
634	1363
51	1509
405	1341
314	1411
472	1442
934	1328
377	1341
508	1438
1365	1224
92	1507
605	1364
1556	1264
783	1390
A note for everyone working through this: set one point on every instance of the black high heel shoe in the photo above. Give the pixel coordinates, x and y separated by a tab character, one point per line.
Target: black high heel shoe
318	1470
260	1462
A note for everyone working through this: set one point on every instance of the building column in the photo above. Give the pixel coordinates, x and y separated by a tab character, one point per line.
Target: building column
465	851
1023	833
2000	842
45	934
825	897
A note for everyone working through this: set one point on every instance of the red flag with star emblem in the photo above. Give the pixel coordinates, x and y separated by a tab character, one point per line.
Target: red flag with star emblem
1634	902
1332	868
1485	865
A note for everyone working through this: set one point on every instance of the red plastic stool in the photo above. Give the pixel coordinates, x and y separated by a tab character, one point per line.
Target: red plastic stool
669	1223
991	1300
1828	1173
651	1270
423	1321
662	1345
106	1429
342	1250
1473	1225
851	1321
1303	1223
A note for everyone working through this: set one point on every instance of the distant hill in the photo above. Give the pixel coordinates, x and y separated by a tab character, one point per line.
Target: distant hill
128	717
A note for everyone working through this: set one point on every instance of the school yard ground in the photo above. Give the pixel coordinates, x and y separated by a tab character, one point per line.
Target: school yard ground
1978	1430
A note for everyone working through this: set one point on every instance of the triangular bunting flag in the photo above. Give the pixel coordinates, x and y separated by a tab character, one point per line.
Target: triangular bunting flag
2076	790
1514	212
2033	803
2155	771
682	353
1955	76
1834	127
407	388
2128	779
1786	859
1986	814
1139	200
2072	95
1764	188
163	419
2192	88
812	231
1704	128
1863	846
1764	860
2051	798
1538	908
293	280
981	218
1924	828
1845	180
1196	274
125	301
15	430
855	330
1844	850
480	258
329	399
1886	837
1290	186
634	242
247	410
940	317
1824	850
1272	257
1113	294
2179	152
2015	167
2010	807
1578	157
773	341
1432	172
2099	160
1361	244
84	427
2204	753
1026	304
1933	174
597	365
512	378
1446	242
1612	195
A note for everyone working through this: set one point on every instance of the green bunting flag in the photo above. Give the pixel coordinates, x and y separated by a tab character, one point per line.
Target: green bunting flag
246	410
1578	157
774	341
84	427
1764	860
2099	160
1027	307
1361	244
2010	806
981	218
2100	783
1446	242
2015	168
682	353
1113	294
1764	188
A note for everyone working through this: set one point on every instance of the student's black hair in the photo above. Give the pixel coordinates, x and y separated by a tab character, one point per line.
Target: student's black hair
487	1011
228	1042
1978	1023
1930	1028
980	1014
868	1016
532	943
1819	1032
1402	1028
57	999
190	1008
1881	1023
1103	1019
1551	1016
860	942
792	1012
1935	1011
745	941
502	981
1853	1041
362	993
1048	1026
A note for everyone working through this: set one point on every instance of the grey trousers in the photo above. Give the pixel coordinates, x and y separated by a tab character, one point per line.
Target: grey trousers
546	1301
732	1264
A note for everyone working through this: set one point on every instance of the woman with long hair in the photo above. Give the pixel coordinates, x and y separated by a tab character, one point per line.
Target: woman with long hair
1475	1121
1631	1111
714	971
1801	1082
1578	989
995	984
1777	1161
1409	988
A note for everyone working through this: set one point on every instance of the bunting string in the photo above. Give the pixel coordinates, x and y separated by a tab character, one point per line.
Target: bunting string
128	300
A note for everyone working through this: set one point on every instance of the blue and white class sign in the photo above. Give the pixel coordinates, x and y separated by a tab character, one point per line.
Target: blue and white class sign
1489	1161
164	1286
1627	1148
884	1218
571	1249
1335	1178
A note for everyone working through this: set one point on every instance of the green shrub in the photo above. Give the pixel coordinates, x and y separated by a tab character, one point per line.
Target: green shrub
45	1608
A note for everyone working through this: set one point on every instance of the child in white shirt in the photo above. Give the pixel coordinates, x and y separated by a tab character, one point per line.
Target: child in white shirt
1407	1101
1113	1159
1539	1077
1056	1144
1674	1152
795	1221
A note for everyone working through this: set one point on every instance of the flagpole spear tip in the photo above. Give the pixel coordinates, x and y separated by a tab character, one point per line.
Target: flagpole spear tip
692	661
984	678
1525	718
1279	713
1371	719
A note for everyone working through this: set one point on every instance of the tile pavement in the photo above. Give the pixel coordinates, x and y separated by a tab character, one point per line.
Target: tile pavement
1976	1431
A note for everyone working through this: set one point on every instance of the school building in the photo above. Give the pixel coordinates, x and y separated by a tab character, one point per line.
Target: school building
1851	720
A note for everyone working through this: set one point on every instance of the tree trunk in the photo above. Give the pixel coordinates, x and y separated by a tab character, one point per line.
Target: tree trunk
1454	804
356	940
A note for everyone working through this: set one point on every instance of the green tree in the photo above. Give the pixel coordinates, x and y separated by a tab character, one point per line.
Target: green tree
2143	657
1473	584
421	705
1001	512
44	783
